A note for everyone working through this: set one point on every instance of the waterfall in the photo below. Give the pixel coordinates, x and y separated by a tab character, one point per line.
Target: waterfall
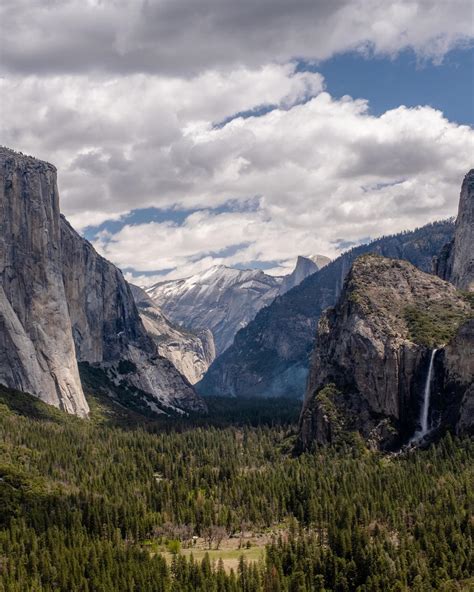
420	434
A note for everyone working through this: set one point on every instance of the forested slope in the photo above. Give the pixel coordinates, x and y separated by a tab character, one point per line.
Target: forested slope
85	502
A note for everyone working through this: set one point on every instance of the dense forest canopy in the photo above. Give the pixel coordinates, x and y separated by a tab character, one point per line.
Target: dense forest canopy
89	505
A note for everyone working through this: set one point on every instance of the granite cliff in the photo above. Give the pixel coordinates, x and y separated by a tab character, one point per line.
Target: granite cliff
305	266
36	345
270	356
109	333
190	352
372	353
456	260
61	303
456	381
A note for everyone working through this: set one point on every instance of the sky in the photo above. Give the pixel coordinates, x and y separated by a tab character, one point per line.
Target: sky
189	133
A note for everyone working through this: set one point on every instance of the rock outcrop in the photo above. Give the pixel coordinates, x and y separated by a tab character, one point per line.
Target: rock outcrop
455	263
61	302
191	353
270	357
453	395
372	352
36	345
305	266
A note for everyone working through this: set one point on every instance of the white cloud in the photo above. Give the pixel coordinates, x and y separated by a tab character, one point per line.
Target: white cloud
192	36
124	97
136	141
324	170
318	170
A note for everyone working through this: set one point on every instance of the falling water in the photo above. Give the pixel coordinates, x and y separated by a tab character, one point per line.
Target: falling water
420	434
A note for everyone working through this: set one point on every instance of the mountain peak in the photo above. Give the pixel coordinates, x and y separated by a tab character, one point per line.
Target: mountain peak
222	299
305	266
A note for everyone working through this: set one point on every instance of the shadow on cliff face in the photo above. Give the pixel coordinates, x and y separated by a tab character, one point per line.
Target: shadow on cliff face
453	385
411	402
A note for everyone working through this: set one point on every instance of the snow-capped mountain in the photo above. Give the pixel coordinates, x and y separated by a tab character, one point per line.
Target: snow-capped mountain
222	299
191	352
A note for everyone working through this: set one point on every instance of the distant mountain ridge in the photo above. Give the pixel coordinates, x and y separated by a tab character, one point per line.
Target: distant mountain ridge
270	357
191	353
224	299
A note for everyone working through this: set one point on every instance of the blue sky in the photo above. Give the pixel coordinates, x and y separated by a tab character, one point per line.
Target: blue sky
405	80
200	132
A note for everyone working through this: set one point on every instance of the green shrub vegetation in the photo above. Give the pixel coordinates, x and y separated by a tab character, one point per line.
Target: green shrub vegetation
436	324
325	398
83	501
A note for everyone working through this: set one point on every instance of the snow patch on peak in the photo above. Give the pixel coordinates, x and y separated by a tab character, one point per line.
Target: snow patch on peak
222	299
225	299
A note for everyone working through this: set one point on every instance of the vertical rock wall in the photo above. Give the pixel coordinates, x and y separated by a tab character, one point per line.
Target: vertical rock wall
61	302
36	345
107	328
455	263
372	353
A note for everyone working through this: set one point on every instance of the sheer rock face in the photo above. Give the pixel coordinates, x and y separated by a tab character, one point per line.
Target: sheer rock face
305	266
36	345
271	355
368	368
60	303
456	260
191	353
105	320
456	380
107	328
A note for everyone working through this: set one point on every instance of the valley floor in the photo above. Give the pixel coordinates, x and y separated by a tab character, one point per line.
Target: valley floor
112	503
229	552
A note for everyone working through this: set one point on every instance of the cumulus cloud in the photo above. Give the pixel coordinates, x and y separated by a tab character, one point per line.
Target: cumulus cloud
136	141
323	169
316	169
190	36
199	106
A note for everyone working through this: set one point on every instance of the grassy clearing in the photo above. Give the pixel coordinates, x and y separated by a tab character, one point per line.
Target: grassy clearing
230	550
230	557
